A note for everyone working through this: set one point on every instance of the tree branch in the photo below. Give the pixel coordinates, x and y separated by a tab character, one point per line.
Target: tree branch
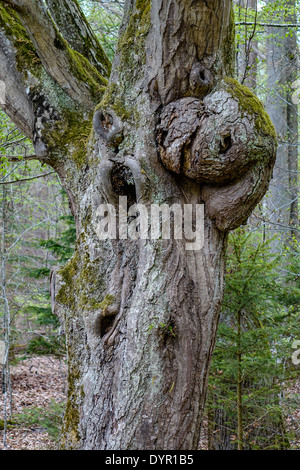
28	179
13	97
73	73
74	27
270	25
17	158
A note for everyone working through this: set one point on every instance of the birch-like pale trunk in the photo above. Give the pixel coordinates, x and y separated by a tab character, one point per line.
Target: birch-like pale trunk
6	322
170	126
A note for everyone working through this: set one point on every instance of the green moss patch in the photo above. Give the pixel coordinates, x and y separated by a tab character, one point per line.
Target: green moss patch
251	105
82	285
81	68
26	56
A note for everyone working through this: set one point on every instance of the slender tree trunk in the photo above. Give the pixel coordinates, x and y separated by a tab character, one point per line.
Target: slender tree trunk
282	66
6	386
292	52
239	388
247	48
141	315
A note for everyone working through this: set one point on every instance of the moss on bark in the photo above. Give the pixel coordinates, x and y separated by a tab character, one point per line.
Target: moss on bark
82	287
80	41
251	105
71	424
27	59
228	49
81	68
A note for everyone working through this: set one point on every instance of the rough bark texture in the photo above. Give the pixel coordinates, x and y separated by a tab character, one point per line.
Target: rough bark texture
141	316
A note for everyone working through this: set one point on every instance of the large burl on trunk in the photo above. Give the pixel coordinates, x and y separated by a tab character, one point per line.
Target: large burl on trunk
168	124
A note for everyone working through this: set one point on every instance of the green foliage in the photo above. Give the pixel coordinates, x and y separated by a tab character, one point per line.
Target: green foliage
49	418
258	325
256	36
105	20
10	424
26	57
62	246
42	315
50	345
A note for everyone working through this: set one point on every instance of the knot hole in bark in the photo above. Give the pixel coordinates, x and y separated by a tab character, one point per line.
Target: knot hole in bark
225	144
108	126
201	80
105	324
123	183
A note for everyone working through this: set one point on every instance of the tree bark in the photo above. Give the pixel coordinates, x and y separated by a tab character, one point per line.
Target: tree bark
247	49
171	127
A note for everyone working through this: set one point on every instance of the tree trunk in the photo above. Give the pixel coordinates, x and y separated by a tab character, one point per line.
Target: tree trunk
141	315
292	52
239	387
282	67
247	48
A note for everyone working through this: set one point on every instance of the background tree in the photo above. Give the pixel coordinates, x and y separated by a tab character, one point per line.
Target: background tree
282	69
32	208
251	367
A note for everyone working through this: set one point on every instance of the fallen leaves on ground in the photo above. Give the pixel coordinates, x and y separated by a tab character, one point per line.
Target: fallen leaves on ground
37	382
41	380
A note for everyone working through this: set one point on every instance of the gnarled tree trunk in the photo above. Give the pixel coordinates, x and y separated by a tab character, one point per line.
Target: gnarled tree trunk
171	126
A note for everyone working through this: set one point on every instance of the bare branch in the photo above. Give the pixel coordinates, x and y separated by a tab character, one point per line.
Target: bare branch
269	25
27	179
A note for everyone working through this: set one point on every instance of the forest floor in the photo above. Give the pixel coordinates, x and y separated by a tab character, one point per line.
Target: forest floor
39	395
